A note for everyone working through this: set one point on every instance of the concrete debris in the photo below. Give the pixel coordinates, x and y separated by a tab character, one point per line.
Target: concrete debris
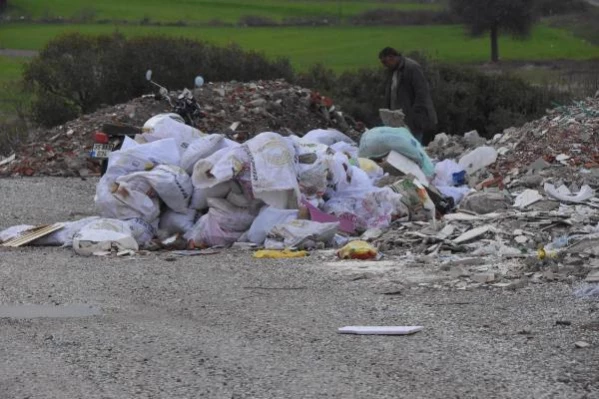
485	202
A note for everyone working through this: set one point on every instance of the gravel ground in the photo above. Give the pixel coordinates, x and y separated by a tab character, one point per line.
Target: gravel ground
229	326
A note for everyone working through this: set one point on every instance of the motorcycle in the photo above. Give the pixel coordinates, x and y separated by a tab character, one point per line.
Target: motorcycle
185	109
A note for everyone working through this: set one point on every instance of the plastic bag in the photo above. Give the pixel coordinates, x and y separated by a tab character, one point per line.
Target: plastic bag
279	254
14	232
349	150
358	250
173	222
478	159
104	235
171	183
64	236
163	126
142	231
139	157
272	170
367	209
447	174
207	232
297	232
372	169
266	220
119	201
229	216
199	198
220	167
327	137
202	148
376	143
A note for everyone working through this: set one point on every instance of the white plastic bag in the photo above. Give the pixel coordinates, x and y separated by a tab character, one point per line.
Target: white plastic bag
219	167
444	172
297	232
119	201
173	222
139	157
199	198
104	235
563	193
142	231
327	137
229	216
207	232
202	148
272	170
171	183
478	158
163	126
64	236
14	232
266	220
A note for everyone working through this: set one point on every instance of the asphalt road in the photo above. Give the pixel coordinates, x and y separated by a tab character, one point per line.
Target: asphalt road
229	326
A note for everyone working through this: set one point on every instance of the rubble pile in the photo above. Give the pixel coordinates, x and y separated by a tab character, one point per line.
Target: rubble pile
256	107
531	212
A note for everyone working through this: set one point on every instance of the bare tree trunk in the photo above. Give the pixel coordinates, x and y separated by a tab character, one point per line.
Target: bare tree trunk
494	44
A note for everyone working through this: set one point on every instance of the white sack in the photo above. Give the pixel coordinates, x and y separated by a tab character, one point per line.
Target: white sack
104	235
173	222
266	220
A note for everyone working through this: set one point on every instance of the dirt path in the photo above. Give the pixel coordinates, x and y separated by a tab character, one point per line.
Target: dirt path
8	52
229	326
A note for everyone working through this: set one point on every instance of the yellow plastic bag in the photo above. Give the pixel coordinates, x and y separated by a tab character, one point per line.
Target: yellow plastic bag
279	254
358	250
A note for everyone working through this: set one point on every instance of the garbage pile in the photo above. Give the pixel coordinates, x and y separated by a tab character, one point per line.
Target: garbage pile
504	212
256	107
528	212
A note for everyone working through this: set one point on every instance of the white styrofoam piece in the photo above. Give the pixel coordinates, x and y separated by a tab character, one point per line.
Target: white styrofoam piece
380	330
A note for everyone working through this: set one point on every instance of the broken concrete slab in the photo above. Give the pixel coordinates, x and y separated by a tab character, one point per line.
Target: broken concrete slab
474	233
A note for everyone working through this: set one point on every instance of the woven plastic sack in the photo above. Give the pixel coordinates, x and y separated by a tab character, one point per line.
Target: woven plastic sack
376	143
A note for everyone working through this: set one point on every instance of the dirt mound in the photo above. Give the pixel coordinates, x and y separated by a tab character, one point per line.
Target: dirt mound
258	107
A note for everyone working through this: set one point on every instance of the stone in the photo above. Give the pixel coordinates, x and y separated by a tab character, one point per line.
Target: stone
486	202
458	271
592	277
581	344
539	165
483	278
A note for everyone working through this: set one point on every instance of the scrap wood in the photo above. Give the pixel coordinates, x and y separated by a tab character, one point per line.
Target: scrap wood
33	234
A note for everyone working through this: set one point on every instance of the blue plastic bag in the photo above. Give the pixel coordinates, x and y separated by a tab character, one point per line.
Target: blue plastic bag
378	142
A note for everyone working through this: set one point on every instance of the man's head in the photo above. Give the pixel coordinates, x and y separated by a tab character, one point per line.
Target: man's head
389	57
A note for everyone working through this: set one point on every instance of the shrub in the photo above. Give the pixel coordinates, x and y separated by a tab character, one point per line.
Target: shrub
465	99
81	72
390	16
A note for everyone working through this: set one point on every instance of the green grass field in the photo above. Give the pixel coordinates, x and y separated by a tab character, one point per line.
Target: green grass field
340	48
11	69
200	10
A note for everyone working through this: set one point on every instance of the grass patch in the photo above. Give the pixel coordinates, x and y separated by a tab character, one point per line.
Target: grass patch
340	48
11	68
201	10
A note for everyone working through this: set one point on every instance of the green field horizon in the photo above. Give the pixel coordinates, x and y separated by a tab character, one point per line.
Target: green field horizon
340	48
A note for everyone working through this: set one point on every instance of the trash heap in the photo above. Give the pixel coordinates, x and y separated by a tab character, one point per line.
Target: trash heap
520	207
256	107
528	210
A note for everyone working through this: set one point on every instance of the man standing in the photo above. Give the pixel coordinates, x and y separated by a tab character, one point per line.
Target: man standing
407	89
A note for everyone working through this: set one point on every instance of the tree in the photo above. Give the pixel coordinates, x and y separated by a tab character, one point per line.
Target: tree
515	17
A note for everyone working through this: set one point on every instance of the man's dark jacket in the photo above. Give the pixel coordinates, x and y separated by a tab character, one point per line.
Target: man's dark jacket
413	97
